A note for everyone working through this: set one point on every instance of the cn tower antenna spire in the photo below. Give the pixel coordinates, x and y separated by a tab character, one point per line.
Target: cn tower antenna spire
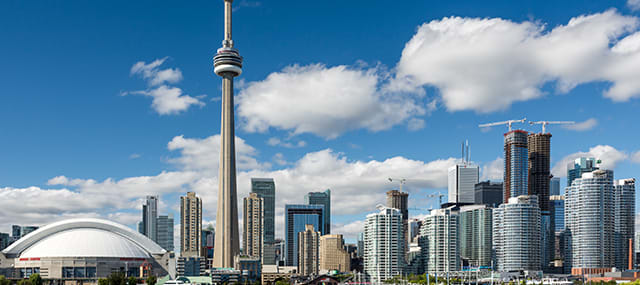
227	64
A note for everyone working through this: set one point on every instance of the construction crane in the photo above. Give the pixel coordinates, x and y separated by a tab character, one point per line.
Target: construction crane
401	180
509	122
545	123
439	195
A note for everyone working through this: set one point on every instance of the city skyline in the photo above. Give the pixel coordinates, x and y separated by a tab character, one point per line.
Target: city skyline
158	135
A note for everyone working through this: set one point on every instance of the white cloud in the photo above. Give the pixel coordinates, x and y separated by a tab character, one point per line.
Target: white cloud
326	101
204	154
488	64
609	155
635	157
493	170
634	5
154	75
349	230
167	99
415	124
279	159
582	126
135	156
273	141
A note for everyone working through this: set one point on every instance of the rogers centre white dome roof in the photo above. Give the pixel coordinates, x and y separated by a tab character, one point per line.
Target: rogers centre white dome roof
84	238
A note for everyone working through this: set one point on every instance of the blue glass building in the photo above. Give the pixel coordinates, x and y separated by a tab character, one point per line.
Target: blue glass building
296	217
516	165
321	198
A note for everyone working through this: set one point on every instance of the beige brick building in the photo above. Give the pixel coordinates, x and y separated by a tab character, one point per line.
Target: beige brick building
333	255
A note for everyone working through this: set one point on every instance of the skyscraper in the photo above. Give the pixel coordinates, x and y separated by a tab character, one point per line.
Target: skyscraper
539	145
149	224
296	219
589	223
476	234
516	234
439	240
384	245
321	198
191	225
554	187
579	166
489	193
361	245
557	205
625	207
253	226
516	165
399	200
333	255
266	189
208	242
4	240
165	232
227	64
462	180
308	255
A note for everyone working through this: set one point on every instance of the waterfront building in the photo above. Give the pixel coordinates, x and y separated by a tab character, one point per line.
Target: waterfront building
516	234
590	223
149	224
384	255
400	200
539	146
439	241
476	235
265	188
581	165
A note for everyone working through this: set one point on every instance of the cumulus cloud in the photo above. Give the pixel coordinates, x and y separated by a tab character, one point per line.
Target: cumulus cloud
634	5
273	141
349	230
488	64
635	157
167	99
583	126
493	170
204	154
326	101
609	156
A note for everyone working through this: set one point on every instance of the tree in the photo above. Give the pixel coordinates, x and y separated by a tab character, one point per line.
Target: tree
35	279
4	280
151	280
282	282
24	282
117	278
132	281
103	281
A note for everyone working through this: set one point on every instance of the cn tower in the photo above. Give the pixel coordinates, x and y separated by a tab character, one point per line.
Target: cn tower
227	64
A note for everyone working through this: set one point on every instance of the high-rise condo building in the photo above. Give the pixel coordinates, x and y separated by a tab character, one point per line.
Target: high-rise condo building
579	166
190	225
165	232
413	230
589	223
384	245
208	242
476	234
361	245
296	218
557	206
516	234
462	180
333	255
4	240
149	224
308	254
321	198
227	63
489	193
439	240
265	188
625	208
253	226
539	145
400	200
516	165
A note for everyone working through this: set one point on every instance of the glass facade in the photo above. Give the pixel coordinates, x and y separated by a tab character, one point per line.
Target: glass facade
516	164
557	202
321	198
86	272
266	189
296	217
516	234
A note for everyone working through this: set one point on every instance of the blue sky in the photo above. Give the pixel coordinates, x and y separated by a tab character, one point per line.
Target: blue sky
334	94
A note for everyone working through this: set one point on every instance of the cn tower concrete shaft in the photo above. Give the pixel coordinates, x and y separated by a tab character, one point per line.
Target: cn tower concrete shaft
227	64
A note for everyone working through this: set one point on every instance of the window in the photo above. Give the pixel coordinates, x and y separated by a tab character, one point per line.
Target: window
79	272
67	272
91	272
